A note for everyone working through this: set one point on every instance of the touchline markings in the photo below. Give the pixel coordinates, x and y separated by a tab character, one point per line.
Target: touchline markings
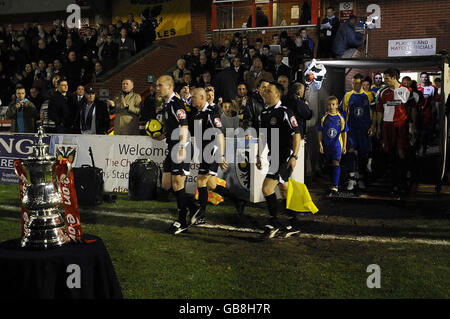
153	217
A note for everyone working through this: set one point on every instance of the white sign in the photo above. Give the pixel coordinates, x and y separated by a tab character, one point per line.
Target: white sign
346	6
412	47
114	155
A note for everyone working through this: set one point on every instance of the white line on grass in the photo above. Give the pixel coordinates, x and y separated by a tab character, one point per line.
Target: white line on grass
150	217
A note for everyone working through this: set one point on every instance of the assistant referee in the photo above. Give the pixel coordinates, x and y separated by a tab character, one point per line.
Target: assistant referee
280	131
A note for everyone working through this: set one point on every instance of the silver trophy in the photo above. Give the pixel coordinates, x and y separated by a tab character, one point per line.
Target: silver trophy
45	227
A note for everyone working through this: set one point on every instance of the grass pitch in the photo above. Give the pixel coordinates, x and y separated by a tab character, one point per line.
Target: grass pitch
214	263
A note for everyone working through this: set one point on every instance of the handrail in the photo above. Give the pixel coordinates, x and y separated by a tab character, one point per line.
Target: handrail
280	27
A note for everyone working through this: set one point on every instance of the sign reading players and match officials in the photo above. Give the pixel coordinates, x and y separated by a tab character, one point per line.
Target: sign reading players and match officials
172	17
412	47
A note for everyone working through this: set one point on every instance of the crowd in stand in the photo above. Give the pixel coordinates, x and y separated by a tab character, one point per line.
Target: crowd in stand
35	58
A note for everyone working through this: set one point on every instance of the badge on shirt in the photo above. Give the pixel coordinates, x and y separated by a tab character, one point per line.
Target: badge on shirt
273	121
294	121
332	133
359	111
217	122
181	114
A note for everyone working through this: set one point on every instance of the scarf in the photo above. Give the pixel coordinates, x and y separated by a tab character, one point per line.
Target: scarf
87	122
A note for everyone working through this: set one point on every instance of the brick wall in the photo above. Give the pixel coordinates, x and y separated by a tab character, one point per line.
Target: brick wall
413	19
159	61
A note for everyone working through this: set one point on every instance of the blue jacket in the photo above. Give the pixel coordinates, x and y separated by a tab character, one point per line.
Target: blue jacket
346	38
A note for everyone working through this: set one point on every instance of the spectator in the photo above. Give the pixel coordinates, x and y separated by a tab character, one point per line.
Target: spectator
244	47
252	112
69	47
59	108
228	117
248	58
22	113
279	68
347	40
304	45
72	71
185	93
57	68
127	108
148	29
328	30
52	87
242	102
297	103
256	74
178	74
290	59
42	52
76	100
225	49
127	46
92	117
205	79
275	39
267	57
215	61
261	19
98	71
109	54
286	41
284	81
202	67
193	59
36	98
137	36
259	46
210	98
227	81
150	105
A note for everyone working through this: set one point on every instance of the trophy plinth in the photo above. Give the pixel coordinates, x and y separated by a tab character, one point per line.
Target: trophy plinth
45	227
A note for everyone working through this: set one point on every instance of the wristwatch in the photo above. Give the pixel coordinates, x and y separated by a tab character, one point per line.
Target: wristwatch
295	156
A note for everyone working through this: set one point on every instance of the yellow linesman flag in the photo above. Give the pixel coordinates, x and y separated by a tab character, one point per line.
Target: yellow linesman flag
214	198
298	198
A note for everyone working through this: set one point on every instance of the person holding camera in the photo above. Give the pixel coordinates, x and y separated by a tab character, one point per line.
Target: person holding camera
22	113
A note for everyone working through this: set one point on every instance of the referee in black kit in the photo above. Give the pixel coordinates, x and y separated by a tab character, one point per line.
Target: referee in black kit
210	133
280	124
176	165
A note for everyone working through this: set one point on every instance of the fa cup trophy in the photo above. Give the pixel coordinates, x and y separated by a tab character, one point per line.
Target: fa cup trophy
43	224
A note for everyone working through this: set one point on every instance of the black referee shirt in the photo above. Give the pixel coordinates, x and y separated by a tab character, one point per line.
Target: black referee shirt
281	118
209	119
174	116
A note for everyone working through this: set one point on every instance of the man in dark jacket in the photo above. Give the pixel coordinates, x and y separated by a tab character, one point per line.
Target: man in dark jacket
22	113
93	116
328	30
252	112
347	40
72	71
109	53
279	68
127	46
59	109
227	81
261	19
295	100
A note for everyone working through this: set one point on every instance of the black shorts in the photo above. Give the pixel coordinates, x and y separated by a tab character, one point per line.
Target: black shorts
169	166
208	168
282	173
